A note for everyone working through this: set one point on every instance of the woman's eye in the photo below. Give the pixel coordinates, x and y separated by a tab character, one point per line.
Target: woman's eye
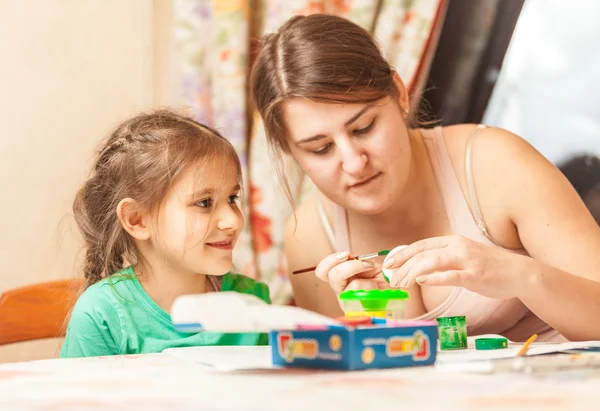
206	203
234	199
366	129
324	149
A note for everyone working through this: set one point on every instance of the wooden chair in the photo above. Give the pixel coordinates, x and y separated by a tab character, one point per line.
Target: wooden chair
37	311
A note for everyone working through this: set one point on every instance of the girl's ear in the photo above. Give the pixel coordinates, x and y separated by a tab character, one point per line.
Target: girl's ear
132	219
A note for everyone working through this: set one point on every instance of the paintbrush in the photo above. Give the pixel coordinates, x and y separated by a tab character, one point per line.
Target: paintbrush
360	257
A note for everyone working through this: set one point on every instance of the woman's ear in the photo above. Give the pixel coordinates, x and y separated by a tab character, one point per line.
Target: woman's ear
132	219
403	100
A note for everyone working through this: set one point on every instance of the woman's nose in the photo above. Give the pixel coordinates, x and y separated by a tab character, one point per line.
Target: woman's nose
354	159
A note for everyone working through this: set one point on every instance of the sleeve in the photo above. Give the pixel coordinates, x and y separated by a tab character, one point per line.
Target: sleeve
94	328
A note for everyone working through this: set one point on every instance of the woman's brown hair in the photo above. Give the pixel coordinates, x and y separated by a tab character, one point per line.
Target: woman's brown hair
320	57
140	159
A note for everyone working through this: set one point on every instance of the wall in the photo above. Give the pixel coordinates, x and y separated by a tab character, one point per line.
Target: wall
70	70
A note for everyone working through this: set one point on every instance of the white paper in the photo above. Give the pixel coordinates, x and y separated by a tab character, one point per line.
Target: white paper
226	358
235	313
472	354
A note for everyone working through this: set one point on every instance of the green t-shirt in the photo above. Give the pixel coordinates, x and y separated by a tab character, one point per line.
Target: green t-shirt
116	316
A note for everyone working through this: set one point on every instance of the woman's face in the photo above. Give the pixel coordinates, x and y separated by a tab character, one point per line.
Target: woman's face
358	155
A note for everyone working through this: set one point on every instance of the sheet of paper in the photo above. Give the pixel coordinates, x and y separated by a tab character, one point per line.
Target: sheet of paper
471	354
226	358
235	312
248	358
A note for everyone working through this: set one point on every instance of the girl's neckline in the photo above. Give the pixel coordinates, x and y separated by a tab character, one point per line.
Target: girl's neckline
150	303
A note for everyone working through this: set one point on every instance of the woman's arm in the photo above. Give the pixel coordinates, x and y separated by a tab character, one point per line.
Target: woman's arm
561	285
306	245
569	303
526	202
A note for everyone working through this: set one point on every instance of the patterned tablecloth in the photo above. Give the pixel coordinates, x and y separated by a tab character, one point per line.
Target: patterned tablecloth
162	381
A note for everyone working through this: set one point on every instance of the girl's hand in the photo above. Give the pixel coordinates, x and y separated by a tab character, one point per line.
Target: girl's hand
460	262
342	273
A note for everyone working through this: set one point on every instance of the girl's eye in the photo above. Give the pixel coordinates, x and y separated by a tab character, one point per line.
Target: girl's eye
206	203
234	199
366	129
324	149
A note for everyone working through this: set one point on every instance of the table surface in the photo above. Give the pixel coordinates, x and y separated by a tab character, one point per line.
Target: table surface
163	381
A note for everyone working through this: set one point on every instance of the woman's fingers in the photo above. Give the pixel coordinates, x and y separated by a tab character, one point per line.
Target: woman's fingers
339	271
362	284
444	278
422	264
348	269
399	258
326	264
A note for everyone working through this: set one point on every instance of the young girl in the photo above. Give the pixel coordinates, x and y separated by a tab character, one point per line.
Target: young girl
160	218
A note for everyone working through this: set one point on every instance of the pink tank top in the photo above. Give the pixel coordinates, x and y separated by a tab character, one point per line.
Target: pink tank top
510	318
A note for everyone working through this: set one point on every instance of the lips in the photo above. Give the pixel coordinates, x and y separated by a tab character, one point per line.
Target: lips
365	182
221	245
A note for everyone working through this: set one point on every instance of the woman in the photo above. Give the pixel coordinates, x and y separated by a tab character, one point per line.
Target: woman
494	231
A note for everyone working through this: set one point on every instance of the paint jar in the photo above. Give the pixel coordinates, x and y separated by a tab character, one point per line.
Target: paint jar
387	304
452	333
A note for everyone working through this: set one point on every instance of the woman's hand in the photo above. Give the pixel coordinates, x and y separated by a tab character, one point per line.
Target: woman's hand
460	262
342	273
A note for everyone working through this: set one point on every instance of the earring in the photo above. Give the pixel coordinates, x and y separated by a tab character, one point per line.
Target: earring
405	111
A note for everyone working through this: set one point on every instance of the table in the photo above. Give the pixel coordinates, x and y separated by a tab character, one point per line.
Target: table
162	381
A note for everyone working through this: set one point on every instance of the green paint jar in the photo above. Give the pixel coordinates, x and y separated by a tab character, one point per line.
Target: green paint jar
387	304
452	333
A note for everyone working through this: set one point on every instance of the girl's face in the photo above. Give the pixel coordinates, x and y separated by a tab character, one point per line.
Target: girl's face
358	155
199	221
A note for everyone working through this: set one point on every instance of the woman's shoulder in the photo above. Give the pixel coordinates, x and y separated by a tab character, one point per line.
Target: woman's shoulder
306	228
499	162
306	241
489	140
307	209
308	216
491	143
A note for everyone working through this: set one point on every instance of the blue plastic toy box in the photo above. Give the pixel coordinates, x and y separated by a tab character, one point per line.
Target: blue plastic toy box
348	348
